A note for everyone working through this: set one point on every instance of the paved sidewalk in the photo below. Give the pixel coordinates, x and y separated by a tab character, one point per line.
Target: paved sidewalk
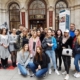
13	75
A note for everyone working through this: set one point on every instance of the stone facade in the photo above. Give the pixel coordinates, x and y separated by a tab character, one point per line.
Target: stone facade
73	5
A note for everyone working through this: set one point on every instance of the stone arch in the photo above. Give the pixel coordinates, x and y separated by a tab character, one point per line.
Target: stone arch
68	2
28	1
10	2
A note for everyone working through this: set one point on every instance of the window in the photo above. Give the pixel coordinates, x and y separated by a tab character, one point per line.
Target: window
14	15
60	5
37	9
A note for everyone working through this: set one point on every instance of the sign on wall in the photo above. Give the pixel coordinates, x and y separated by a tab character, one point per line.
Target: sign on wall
64	20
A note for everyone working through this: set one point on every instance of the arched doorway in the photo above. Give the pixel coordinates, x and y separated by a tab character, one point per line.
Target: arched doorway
14	15
37	14
60	5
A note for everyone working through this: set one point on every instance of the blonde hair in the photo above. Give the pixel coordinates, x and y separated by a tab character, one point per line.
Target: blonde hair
78	37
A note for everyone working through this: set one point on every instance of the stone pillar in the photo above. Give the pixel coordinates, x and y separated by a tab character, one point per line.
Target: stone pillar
72	15
77	17
0	12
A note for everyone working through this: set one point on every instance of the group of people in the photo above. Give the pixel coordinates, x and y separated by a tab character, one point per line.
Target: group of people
36	50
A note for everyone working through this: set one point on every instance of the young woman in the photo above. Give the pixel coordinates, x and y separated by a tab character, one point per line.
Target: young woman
4	43
76	51
12	40
22	38
40	63
53	33
66	43
34	41
23	58
59	49
49	45
38	33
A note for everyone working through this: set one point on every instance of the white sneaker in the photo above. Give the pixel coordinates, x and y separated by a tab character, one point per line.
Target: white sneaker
57	72
19	71
28	73
64	73
66	77
77	75
50	71
32	75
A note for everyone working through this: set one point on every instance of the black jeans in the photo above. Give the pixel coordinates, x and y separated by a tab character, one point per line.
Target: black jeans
67	62
4	62
59	56
60	59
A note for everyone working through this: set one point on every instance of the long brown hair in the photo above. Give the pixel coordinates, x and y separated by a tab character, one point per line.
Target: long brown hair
23	49
39	54
78	37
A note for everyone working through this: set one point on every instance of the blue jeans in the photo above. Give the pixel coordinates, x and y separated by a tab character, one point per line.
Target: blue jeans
77	59
22	69
51	54
39	73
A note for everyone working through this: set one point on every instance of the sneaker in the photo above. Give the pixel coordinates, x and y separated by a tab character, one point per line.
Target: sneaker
66	77
56	71
77	75
19	71
50	71
32	75
64	73
28	73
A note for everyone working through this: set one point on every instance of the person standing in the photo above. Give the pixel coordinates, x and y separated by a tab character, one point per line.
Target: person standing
72	30
22	39
66	43
34	41
49	44
76	51
59	49
12	40
4	43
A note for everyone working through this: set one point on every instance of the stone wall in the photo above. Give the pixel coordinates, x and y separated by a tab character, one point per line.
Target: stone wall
74	6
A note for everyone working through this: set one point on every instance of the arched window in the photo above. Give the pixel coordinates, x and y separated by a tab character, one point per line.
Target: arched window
60	5
14	15
37	13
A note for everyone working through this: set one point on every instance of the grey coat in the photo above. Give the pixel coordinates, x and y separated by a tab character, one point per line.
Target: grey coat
12	40
4	53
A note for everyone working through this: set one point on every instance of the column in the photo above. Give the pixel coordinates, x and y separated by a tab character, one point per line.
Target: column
77	17
0	12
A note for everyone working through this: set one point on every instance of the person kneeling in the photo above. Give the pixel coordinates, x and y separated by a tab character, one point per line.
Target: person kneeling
40	63
23	58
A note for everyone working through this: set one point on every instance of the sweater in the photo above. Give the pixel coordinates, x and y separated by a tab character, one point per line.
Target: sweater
23	58
50	40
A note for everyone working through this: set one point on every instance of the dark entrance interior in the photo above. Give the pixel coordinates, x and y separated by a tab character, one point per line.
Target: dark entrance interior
37	23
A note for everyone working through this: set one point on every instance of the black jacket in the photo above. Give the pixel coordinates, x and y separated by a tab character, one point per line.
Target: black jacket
59	42
43	63
68	43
